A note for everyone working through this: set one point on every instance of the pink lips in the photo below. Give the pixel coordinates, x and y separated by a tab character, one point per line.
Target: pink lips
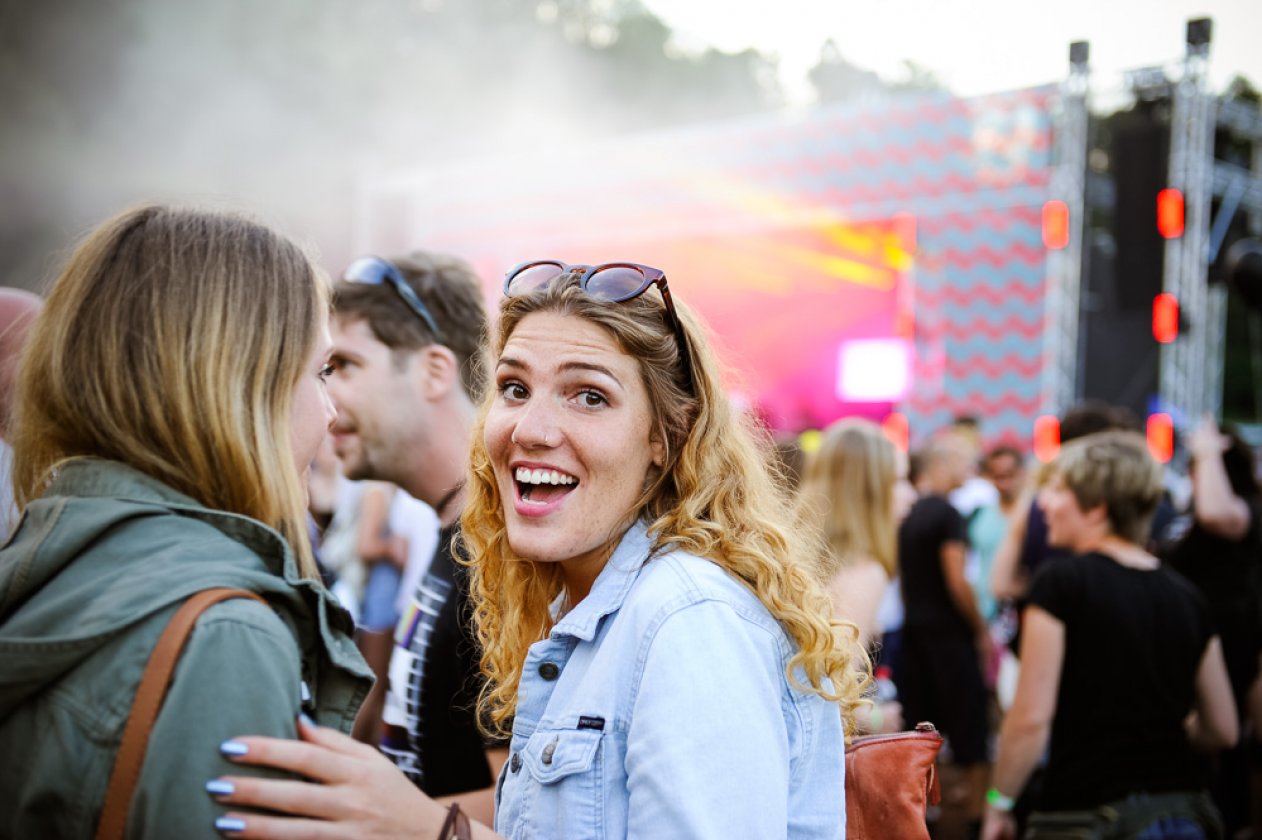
534	510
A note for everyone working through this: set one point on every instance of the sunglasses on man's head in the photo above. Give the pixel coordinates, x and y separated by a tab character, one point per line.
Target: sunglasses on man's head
614	282
373	271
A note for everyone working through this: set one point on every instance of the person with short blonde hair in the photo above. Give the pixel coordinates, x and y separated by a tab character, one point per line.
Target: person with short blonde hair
169	403
1122	673
1112	469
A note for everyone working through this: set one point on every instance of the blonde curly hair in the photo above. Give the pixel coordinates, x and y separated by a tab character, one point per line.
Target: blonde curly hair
716	496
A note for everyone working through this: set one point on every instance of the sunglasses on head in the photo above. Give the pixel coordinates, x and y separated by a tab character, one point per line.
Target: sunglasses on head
373	271
614	282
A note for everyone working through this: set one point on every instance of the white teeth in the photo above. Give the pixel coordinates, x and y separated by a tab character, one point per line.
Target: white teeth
528	476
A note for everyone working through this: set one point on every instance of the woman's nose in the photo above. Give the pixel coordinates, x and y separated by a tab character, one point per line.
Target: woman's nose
536	428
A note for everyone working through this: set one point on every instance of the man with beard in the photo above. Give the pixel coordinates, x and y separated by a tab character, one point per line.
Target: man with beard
409	337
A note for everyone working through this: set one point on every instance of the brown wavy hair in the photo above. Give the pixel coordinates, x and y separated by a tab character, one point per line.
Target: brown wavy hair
717	496
173	342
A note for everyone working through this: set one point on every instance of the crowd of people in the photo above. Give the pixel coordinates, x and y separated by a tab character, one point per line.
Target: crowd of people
533	574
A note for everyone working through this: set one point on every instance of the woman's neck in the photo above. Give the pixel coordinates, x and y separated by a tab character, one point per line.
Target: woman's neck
1124	552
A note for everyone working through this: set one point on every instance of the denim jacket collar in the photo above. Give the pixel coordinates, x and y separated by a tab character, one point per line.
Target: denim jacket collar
610	588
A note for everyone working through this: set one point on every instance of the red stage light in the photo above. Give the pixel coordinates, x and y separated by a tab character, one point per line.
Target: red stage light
1160	437
1055	225
896	429
1170	213
1046	437
1165	318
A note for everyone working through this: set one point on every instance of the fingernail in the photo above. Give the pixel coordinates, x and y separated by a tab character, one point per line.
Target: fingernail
233	748
306	721
220	787
229	824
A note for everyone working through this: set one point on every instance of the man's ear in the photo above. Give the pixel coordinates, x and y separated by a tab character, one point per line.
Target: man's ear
441	370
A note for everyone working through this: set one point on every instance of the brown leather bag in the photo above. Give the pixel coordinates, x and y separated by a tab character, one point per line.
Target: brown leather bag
890	780
144	709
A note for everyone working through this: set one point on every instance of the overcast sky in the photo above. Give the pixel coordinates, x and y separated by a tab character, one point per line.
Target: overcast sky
975	47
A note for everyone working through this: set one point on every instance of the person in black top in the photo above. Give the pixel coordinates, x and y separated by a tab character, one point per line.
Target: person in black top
1117	651
1025	548
1221	554
944	638
409	340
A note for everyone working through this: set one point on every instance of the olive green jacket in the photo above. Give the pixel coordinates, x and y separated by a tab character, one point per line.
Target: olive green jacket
88	581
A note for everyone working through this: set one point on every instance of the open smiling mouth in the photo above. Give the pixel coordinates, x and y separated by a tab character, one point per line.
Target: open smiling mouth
541	487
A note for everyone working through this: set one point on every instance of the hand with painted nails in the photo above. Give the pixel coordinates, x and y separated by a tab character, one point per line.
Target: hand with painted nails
354	791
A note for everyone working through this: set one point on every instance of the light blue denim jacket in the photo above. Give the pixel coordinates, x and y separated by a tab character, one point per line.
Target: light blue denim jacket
659	707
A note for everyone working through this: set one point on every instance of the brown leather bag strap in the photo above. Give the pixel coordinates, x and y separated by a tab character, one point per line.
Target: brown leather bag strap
456	826
144	709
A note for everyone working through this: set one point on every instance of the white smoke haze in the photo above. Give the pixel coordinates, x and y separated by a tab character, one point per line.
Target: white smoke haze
281	108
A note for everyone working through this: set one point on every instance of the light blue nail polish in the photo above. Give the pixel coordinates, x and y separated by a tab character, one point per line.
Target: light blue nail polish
229	824
307	721
220	787
235	748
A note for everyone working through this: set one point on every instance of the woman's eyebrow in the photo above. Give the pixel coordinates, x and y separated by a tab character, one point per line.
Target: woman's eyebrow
519	364
589	366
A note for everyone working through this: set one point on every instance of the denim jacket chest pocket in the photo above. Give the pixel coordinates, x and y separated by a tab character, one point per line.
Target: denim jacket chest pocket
562	779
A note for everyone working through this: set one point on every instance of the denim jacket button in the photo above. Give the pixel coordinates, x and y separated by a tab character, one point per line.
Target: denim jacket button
515	763
548	752
549	671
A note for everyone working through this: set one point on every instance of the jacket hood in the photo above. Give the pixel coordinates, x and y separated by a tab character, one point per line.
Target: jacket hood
106	547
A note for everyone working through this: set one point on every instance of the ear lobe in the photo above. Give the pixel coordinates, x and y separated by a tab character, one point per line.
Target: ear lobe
659	452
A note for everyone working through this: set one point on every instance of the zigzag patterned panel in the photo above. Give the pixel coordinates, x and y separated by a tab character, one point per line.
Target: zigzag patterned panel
787	192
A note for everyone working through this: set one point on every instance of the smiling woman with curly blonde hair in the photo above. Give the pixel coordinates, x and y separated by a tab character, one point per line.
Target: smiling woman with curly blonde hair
656	637
635	562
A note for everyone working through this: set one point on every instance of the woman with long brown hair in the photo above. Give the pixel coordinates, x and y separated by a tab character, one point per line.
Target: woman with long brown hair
170	399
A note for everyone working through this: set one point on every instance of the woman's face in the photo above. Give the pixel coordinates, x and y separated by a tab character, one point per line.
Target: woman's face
569	436
313	411
1068	524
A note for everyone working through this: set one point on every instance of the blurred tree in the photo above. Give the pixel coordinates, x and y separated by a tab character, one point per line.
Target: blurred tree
639	75
916	79
1241	88
837	80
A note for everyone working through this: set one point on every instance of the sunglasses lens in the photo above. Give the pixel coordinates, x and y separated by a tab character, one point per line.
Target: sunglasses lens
533	277
617	283
369	270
